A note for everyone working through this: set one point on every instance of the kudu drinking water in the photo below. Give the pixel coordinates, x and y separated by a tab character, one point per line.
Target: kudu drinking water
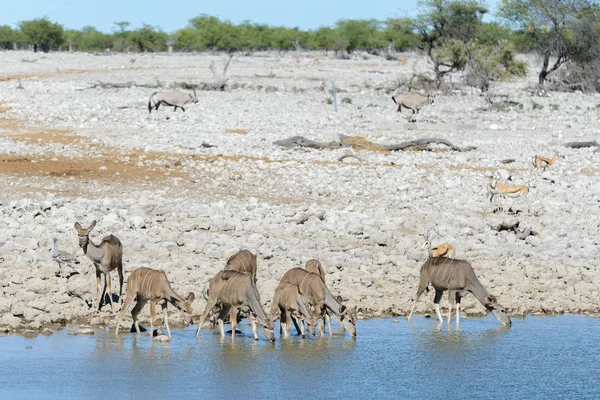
289	302
150	285
242	261
236	290
459	279
314	266
107	256
317	296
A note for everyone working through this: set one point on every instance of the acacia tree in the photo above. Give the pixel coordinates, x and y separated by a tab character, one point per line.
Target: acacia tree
42	34
444	29
562	30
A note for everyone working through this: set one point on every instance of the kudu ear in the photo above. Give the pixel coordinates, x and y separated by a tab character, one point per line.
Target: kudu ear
338	298
191	297
490	300
92	226
77	226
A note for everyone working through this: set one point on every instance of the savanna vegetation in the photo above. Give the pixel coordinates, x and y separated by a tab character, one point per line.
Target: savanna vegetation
452	33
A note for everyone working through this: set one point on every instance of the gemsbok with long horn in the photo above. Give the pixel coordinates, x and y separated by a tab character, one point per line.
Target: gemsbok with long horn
459	279
175	99
151	285
106	256
235	290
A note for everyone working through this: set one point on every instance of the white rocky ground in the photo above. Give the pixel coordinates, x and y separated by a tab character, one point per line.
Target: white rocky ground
74	153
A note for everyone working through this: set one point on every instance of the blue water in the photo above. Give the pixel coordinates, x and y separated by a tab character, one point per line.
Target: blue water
536	358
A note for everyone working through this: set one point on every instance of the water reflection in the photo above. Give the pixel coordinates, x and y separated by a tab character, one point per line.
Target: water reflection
537	357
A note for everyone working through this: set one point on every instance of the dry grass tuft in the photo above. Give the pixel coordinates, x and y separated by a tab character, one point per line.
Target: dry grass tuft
237	131
360	143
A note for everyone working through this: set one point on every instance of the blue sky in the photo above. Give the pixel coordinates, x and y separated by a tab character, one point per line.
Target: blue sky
173	15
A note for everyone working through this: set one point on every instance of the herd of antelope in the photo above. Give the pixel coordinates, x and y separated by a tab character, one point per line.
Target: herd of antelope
301	297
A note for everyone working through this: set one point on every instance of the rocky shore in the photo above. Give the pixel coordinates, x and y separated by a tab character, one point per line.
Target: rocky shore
185	190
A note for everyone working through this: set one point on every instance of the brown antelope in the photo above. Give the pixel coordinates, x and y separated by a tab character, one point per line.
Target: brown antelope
544	162
235	290
151	285
317	296
459	279
243	261
504	190
175	99
412	101
289	302
106	256
314	266
442	250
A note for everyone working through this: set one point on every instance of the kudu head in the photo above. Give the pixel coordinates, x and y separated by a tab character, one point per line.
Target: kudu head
186	307
497	310
348	318
84	233
267	326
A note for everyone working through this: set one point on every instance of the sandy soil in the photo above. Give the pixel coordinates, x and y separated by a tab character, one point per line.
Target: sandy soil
70	152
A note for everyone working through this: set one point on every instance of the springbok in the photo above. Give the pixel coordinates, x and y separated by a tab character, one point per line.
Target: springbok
151	285
504	190
289	302
107	256
235	290
175	99
317	296
459	279
314	266
544	162
442	250
412	101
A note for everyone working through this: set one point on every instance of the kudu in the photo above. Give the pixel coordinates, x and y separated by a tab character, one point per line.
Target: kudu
175	99
235	290
107	256
151	285
242	261
459	279
317	296
314	266
289	302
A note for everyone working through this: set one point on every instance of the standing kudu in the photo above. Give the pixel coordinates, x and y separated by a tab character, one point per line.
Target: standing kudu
289	302
459	279
106	256
235	290
317	295
150	285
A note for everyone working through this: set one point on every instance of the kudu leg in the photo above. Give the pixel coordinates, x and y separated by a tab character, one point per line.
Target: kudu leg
209	306
120	271
108	286
233	320
419	293
152	313
166	318
128	299
451	298
98	275
141	302
328	319
436	304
